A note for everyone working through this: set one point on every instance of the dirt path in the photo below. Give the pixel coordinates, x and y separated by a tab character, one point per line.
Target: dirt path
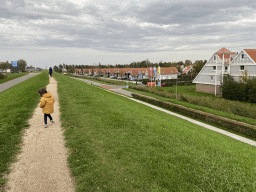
42	164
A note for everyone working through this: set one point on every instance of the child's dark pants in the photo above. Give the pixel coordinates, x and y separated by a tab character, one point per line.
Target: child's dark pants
45	117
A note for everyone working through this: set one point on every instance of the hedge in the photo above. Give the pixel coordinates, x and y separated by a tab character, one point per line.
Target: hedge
234	125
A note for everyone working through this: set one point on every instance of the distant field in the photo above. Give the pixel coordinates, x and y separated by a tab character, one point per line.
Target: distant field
117	144
12	76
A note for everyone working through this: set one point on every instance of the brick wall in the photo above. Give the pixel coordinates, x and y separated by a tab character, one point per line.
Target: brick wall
207	88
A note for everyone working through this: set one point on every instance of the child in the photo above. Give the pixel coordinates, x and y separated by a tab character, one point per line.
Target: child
47	104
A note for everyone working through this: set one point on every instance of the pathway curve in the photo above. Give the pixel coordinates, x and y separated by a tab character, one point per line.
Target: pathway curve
116	88
42	164
127	94
8	84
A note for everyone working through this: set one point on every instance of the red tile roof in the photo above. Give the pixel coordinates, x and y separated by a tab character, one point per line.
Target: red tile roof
223	50
186	69
164	71
227	55
168	70
134	71
251	53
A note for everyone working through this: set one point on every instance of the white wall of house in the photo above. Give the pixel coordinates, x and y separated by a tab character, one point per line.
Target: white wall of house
211	70
241	63
167	76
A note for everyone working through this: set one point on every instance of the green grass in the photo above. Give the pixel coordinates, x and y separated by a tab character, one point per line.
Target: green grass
17	106
189	91
11	76
201	108
117	144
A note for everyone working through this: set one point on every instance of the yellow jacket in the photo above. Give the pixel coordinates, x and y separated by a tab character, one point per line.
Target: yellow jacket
47	103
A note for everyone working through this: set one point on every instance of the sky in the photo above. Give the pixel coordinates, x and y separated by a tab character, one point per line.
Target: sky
88	32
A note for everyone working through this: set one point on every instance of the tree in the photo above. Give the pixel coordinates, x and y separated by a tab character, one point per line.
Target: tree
188	62
180	63
22	64
5	65
60	68
198	65
56	69
179	68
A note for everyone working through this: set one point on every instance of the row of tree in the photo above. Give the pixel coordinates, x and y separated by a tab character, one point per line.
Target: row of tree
197	65
22	64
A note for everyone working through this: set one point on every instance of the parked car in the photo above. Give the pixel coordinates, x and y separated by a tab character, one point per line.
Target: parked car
124	78
112	77
162	84
132	79
96	75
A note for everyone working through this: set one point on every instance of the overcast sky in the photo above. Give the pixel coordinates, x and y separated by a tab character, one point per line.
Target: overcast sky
52	32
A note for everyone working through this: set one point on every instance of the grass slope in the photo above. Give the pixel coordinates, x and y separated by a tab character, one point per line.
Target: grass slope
16	107
189	91
12	76
201	108
119	145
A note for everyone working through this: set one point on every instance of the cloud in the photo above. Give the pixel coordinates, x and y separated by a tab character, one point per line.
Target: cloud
127	26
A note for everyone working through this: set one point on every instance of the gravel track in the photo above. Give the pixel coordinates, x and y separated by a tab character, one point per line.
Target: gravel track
42	164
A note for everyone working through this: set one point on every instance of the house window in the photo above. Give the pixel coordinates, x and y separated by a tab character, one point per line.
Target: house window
226	69
242	56
242	68
214	68
211	78
214	58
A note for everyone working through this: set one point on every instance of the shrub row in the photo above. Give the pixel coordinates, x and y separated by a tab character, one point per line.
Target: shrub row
237	126
236	107
239	91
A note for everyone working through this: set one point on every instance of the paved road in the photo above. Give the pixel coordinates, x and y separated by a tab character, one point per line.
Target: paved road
128	93
116	88
16	81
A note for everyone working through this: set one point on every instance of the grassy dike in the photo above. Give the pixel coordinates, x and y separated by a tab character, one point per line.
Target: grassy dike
116	144
198	107
16	107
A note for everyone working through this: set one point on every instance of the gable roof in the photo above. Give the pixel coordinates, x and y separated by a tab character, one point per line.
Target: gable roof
187	68
228	55
251	53
164	71
223	51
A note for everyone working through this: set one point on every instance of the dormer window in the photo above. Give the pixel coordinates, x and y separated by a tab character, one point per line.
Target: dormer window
214	58
242	56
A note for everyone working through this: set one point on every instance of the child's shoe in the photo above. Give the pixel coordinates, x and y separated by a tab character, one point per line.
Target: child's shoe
45	126
52	121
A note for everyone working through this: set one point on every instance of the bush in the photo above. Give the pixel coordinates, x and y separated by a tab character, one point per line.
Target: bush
2	76
243	91
144	81
251	87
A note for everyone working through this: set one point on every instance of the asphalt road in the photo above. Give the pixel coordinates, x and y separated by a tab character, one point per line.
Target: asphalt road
16	81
